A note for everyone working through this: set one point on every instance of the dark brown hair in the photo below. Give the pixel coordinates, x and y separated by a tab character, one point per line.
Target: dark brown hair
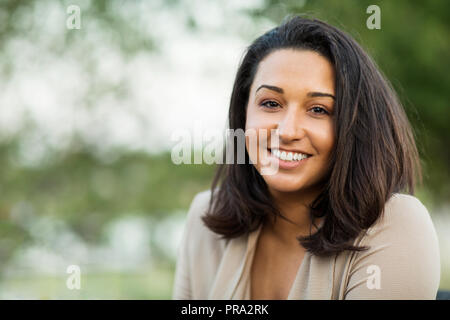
374	155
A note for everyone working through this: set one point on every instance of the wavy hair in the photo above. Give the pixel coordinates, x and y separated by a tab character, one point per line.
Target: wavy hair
374	155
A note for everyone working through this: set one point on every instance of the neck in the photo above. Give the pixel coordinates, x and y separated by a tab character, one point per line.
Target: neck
295	207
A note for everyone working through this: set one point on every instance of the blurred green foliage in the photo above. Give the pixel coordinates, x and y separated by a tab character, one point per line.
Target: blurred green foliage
86	192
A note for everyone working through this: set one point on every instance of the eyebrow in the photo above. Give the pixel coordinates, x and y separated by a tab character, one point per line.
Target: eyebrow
310	94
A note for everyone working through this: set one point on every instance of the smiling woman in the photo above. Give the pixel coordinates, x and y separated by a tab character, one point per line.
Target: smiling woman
338	219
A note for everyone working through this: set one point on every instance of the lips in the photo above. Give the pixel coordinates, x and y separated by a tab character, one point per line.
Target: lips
288	161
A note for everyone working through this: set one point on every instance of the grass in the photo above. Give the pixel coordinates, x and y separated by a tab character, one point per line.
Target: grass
155	284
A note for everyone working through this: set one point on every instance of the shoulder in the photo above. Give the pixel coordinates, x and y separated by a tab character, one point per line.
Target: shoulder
407	204
405	214
198	206
403	248
199	253
405	221
199	235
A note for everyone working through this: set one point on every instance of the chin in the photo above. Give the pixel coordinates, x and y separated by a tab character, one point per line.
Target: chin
283	185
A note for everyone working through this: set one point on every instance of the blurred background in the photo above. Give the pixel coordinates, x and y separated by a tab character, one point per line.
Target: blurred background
87	115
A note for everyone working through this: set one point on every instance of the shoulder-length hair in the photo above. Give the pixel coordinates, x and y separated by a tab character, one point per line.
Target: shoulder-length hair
374	155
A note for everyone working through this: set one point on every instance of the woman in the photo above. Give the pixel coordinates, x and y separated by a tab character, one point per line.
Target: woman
338	219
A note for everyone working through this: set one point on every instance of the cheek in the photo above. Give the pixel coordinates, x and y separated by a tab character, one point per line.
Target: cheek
324	138
258	119
257	133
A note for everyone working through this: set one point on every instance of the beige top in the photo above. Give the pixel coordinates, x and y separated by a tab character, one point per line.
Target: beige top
403	261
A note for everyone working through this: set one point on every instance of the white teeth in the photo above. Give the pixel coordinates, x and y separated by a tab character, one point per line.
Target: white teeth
288	156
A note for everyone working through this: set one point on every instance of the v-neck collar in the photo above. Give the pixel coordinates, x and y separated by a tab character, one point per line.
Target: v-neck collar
314	278
253	239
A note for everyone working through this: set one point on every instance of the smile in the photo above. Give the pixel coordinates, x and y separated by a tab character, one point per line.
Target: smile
289	156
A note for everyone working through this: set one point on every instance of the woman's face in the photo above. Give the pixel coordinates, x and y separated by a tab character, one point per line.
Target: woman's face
293	91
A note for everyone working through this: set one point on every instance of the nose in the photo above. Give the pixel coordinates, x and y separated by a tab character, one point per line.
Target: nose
290	127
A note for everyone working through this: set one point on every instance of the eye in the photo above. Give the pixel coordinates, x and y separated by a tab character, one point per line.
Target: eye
319	110
270	104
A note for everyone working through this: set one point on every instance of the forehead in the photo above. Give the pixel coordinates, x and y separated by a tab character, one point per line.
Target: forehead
295	69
